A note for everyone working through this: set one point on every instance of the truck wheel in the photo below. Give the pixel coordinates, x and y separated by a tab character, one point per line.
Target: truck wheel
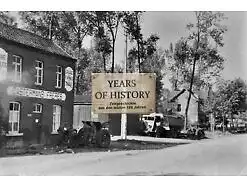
200	134
174	133
159	132
192	134
84	136
103	138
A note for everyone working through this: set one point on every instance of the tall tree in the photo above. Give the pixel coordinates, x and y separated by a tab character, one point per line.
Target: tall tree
229	98
156	65
132	26
206	35
177	65
6	18
78	27
102	39
90	62
112	20
148	47
106	24
103	46
45	24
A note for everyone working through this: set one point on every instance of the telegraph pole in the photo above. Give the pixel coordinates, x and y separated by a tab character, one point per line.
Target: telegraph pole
124	115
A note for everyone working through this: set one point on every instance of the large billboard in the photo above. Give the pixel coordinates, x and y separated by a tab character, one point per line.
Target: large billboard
123	92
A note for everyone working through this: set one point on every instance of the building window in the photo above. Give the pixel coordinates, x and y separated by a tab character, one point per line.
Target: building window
179	108
14	117
39	72
3	64
56	118
37	108
59	77
17	61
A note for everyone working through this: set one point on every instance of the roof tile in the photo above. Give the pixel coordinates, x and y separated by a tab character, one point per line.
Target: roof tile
30	39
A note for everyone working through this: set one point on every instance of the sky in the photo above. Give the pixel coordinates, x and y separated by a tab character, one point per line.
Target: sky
170	26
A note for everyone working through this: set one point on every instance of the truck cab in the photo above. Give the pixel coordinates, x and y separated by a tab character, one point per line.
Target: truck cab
160	125
151	122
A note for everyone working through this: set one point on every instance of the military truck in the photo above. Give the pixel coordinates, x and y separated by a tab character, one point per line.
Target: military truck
160	125
170	126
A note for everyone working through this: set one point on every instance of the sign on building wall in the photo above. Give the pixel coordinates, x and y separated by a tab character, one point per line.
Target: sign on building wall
69	74
42	94
123	92
3	64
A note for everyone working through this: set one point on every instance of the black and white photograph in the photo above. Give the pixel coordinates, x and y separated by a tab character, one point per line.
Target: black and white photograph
123	93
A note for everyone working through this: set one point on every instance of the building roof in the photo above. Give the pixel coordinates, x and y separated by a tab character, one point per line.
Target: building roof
29	39
176	94
83	99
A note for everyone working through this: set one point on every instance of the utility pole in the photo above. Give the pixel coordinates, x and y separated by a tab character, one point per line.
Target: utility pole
124	115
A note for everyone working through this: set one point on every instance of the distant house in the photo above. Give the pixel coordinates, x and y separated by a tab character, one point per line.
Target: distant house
177	104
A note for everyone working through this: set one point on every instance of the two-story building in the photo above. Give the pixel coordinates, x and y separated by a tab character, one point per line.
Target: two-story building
36	86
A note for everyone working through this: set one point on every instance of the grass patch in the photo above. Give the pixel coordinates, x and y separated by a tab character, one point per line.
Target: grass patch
139	145
119	145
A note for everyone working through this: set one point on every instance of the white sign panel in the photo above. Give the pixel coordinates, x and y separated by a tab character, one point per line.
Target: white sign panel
42	94
3	64
69	74
123	92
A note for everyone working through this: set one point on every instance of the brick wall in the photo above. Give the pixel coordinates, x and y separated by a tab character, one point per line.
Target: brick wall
27	117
